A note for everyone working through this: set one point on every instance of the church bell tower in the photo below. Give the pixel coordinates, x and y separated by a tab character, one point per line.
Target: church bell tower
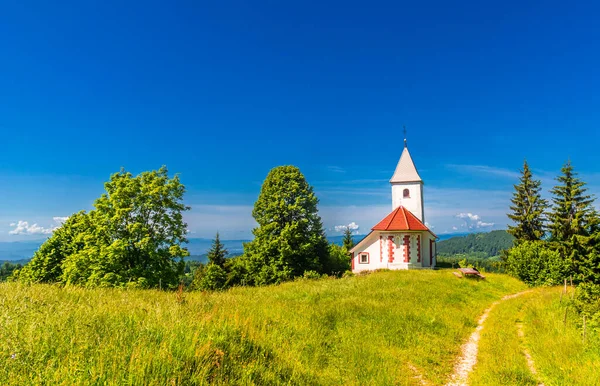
407	185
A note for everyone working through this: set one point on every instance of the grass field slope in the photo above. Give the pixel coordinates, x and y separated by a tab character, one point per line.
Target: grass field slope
537	339
384	328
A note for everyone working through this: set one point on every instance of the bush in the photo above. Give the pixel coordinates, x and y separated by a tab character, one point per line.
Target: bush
311	275
587	302
210	278
535	263
337	262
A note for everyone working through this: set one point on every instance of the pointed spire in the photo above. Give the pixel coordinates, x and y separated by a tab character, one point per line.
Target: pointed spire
406	170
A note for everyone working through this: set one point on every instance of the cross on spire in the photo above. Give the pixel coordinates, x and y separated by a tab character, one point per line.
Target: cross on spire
405	145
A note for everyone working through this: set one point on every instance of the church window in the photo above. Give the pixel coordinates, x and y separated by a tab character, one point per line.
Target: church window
406	193
364	258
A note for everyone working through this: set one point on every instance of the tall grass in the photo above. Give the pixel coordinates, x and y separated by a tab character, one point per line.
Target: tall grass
557	348
383	328
560	353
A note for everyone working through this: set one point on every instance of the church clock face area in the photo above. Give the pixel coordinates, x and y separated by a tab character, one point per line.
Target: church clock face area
401	239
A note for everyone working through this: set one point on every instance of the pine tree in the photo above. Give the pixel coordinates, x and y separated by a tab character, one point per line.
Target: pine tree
528	208
217	253
572	213
348	241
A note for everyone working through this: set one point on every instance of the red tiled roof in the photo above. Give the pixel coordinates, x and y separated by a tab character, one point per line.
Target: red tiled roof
401	219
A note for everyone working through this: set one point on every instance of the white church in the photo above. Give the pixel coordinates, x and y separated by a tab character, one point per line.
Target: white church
401	240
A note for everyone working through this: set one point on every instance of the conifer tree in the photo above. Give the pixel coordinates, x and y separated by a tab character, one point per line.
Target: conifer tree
348	241
572	213
528	208
217	253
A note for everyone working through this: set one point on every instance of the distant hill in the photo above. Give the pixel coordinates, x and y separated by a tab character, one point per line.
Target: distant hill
483	244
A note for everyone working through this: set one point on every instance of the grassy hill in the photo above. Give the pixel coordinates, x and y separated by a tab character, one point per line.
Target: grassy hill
384	328
476	244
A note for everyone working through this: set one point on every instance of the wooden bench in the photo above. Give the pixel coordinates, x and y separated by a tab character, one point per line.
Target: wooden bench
471	272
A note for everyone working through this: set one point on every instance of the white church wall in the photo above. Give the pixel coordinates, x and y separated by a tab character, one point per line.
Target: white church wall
371	248
414	203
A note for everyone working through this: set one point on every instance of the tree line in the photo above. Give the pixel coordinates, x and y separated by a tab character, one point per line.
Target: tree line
135	237
556	240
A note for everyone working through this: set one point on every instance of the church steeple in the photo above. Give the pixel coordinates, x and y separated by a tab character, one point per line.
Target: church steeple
407	185
405	170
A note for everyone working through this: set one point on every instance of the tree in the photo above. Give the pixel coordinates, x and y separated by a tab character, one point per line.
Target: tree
574	224
348	241
536	263
528	208
133	237
210	278
572	213
338	261
217	253
289	238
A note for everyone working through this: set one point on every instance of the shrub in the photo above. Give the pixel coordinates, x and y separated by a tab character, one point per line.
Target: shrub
311	275
338	260
587	302
536	263
212	278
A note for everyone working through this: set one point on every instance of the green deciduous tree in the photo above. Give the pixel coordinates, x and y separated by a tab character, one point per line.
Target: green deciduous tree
289	238
528	208
348	240
217	253
133	237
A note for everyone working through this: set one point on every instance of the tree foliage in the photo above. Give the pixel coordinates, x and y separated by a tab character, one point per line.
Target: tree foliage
211	277
289	238
479	245
572	211
528	208
348	242
536	263
133	237
338	260
217	253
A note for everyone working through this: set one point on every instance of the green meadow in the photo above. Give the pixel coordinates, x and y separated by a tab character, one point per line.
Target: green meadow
384	328
552	335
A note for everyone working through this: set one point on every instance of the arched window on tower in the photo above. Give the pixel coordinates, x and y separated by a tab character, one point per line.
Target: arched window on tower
406	193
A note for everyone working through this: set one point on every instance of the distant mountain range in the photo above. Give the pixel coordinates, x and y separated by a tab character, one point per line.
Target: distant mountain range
23	250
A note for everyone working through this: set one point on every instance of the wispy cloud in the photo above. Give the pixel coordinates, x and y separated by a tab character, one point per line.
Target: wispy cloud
336	169
484	170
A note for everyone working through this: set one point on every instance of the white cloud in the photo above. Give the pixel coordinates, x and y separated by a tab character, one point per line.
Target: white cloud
60	220
352	226
473	222
24	228
470	216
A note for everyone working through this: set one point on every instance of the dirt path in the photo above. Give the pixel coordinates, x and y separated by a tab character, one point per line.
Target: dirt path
528	358
469	350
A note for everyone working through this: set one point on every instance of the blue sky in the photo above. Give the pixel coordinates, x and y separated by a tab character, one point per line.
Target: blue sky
223	92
